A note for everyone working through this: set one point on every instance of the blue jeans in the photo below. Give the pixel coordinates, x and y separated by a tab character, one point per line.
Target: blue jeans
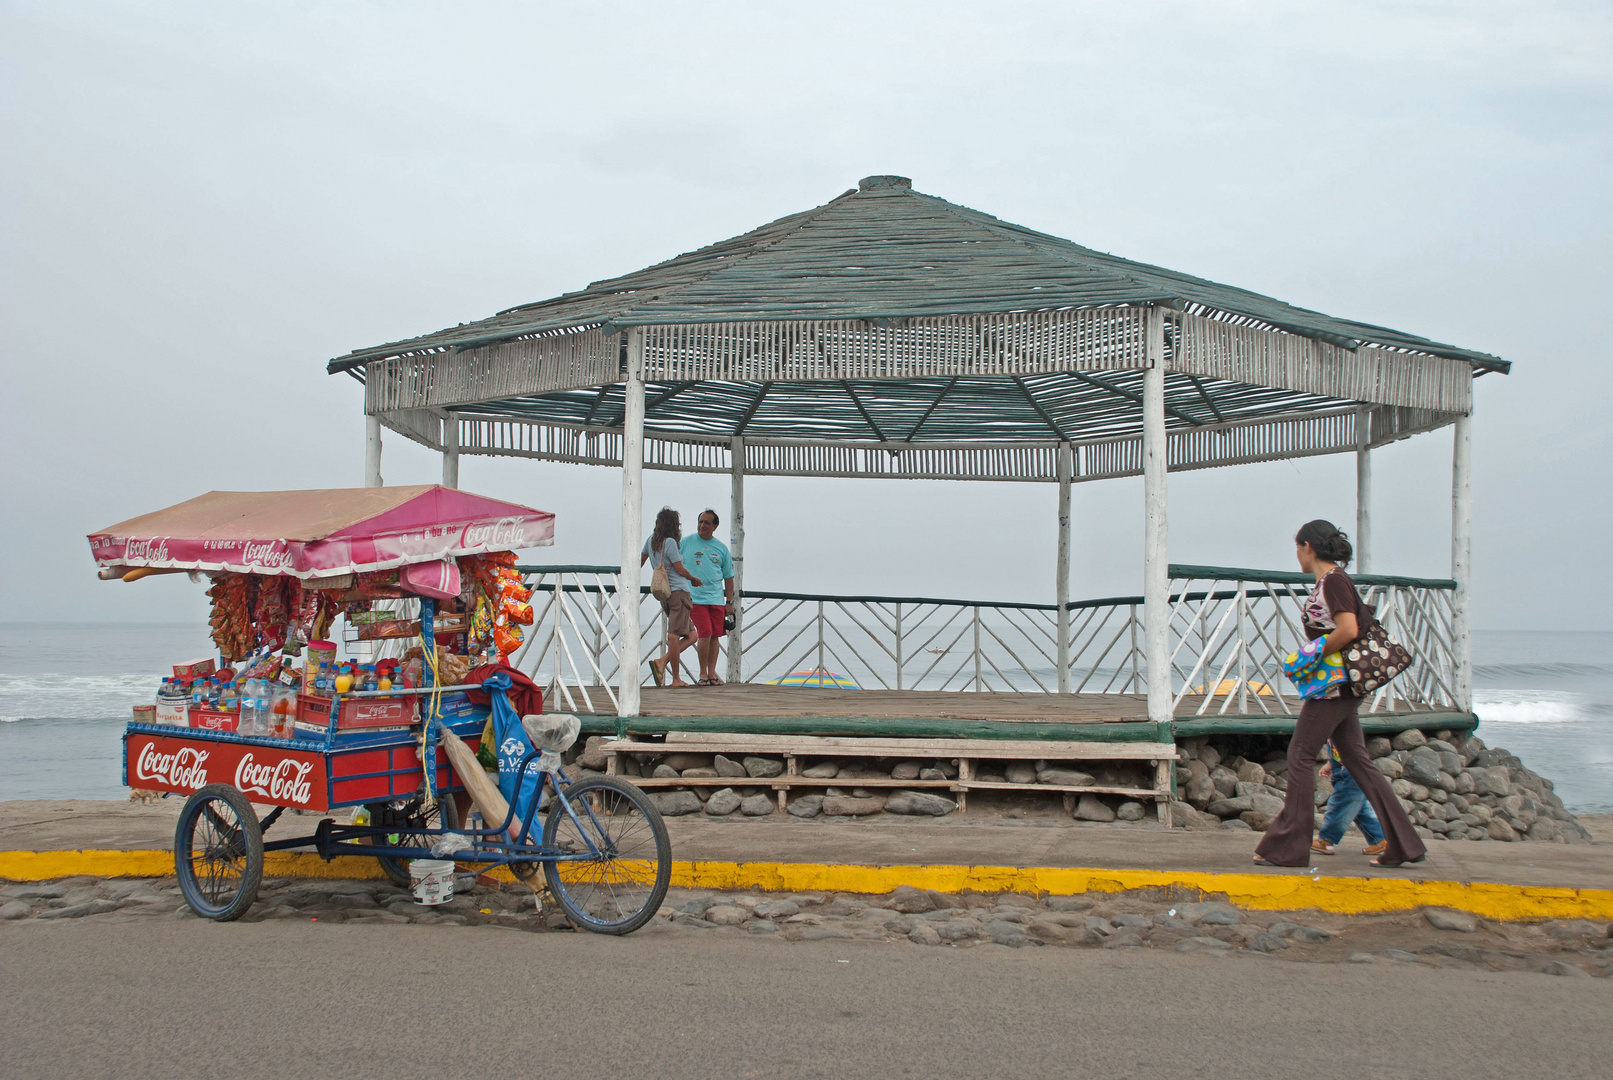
1349	803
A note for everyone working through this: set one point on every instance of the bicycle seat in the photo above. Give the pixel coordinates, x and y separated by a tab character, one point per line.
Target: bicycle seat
552	731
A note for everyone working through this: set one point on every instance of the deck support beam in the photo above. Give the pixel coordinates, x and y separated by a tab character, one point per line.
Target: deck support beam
1156	574
372	450
627	584
450	451
1462	559
736	551
1363	490
1062	574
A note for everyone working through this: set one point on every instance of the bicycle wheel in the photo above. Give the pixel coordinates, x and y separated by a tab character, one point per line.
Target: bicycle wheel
410	817
621	887
218	853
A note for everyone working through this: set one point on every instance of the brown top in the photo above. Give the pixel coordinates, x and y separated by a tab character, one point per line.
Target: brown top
1333	595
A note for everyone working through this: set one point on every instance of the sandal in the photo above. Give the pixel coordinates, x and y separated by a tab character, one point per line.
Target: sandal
1318	844
658	673
1405	862
1376	849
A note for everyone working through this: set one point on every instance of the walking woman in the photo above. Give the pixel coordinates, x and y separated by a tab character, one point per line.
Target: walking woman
662	547
1333	610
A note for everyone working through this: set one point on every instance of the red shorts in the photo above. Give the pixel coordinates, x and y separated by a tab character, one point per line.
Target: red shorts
708	619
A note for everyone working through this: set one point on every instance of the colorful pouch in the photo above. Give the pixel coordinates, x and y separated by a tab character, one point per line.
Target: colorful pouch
1313	674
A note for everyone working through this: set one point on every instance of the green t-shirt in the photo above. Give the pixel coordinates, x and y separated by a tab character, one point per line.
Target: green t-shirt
707	560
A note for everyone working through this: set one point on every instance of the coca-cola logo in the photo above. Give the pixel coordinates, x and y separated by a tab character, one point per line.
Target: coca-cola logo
266	554
286	779
503	535
186	767
152	550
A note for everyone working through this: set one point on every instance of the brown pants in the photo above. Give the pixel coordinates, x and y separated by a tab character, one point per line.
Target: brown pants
1288	841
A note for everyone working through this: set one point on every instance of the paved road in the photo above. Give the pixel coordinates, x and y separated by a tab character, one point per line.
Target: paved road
283	1000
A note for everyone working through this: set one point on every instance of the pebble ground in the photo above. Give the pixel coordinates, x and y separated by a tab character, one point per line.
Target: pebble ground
1160	919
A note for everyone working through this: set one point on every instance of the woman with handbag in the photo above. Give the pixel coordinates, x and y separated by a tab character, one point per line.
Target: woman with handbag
671	584
1335	615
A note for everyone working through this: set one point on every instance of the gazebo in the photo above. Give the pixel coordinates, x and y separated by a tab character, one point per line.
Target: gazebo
893	334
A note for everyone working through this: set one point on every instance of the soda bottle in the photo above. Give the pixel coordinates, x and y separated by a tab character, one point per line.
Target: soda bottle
370	680
280	713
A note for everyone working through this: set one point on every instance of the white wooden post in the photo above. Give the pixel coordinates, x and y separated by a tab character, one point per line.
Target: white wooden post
1461	558
1156	579
450	450
632	523
372	451
736	551
1061	588
1363	490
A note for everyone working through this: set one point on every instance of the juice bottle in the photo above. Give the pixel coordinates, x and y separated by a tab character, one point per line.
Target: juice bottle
343	682
283	705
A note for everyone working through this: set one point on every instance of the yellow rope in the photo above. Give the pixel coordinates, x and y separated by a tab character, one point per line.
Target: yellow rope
432	713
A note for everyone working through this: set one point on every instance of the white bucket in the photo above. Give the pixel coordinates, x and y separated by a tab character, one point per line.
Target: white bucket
433	880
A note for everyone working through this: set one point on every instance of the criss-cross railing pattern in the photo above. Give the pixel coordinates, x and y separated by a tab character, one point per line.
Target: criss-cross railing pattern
1229	631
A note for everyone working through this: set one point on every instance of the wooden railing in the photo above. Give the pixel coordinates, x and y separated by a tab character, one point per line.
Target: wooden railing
1229	629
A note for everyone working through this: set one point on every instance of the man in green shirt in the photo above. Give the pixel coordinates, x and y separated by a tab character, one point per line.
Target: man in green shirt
707	559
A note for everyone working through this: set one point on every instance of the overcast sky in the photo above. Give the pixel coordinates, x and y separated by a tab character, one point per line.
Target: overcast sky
200	204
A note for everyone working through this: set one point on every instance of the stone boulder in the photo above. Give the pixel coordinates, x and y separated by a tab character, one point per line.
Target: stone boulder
676	803
727	766
593	753
1129	811
1092	808
850	806
806	806
1409	739
1062	777
1200	791
1378	747
907	770
1020	772
919	803
761	768
823	770
723	802
756	806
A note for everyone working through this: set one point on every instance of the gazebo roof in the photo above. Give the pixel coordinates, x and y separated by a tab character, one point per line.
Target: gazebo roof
891	333
884	252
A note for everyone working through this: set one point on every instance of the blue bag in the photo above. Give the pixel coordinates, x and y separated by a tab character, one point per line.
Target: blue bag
511	746
1313	674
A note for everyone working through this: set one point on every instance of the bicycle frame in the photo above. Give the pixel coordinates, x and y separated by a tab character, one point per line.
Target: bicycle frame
488	849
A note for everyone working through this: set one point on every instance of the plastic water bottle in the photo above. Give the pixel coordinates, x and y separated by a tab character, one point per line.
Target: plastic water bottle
198	694
229	698
250	714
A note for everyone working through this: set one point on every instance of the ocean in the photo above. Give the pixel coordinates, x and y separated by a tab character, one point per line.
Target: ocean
67	689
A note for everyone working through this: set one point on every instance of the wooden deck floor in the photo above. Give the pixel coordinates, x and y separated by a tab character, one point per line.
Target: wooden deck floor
762	707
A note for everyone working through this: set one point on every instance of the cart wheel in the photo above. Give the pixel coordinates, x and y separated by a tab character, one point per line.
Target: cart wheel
444	815
218	853
621	889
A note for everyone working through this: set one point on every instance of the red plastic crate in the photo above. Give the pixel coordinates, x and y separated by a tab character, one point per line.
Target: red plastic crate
358	712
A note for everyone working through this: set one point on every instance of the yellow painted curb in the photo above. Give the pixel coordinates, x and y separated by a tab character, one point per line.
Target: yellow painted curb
1286	892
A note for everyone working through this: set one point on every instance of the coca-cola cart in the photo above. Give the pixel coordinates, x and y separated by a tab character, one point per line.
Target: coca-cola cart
601	842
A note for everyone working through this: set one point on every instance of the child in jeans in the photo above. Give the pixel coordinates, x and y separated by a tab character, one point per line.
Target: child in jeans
1348	803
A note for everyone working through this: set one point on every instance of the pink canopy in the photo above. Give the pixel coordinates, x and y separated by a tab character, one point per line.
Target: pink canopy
312	534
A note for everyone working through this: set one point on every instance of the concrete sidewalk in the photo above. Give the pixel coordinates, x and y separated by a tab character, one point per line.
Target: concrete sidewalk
65	825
